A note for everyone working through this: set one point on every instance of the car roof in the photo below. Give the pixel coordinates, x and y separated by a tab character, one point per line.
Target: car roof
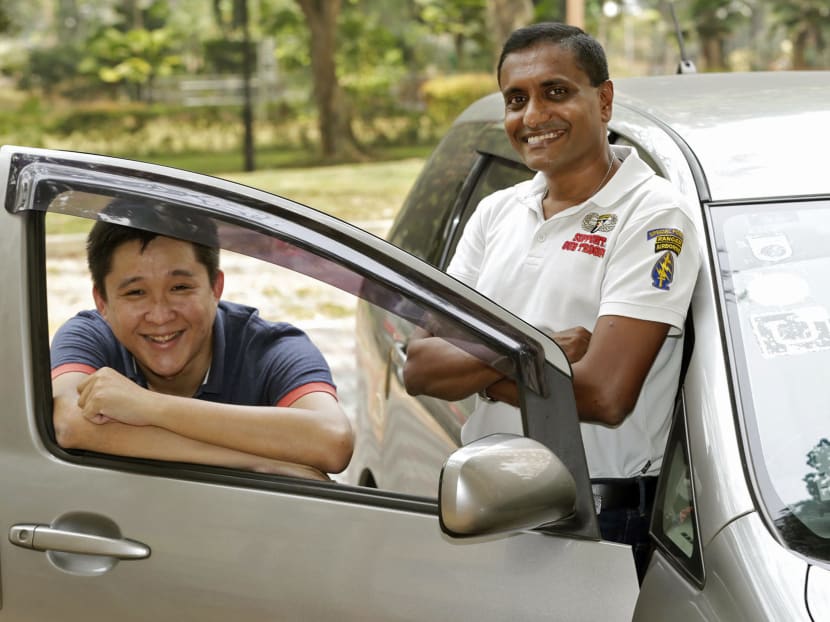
759	134
754	135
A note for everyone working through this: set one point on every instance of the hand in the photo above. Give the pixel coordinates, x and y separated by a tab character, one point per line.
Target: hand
573	341
107	396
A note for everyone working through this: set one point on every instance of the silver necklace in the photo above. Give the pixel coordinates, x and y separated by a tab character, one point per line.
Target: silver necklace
599	185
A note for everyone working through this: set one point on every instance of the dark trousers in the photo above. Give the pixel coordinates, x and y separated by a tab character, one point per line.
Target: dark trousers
625	517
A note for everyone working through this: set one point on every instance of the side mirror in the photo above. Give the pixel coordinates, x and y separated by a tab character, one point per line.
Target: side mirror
503	483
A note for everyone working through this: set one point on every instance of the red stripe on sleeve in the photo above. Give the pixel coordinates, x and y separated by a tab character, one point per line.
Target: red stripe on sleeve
312	387
68	367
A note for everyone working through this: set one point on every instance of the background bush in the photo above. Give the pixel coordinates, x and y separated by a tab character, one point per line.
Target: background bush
143	131
446	97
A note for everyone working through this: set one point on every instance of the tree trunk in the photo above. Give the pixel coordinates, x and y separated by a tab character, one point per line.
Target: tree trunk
247	104
505	16
334	120
133	15
713	53
800	49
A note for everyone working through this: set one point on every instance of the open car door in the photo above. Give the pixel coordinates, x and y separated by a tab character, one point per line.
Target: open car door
102	537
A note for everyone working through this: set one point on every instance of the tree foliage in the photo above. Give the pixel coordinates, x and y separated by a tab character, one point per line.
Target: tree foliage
807	25
715	21
5	19
364	60
464	21
133	57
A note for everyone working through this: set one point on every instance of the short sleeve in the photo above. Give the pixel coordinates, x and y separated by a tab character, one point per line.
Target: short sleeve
294	362
85	340
654	269
469	253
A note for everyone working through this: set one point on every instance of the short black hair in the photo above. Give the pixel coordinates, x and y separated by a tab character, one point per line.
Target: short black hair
105	237
587	51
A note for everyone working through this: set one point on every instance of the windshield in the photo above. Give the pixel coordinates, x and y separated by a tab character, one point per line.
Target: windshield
775	265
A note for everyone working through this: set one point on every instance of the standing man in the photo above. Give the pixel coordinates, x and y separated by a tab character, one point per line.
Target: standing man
596	251
162	369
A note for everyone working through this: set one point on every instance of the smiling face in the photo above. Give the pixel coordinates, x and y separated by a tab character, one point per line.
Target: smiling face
161	306
555	119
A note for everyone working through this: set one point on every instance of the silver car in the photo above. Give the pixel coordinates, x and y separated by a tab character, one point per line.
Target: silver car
741	525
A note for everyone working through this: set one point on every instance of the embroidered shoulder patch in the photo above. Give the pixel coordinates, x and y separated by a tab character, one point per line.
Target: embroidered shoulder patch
662	274
669	242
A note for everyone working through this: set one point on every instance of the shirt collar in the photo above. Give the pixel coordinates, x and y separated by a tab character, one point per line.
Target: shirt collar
631	174
216	372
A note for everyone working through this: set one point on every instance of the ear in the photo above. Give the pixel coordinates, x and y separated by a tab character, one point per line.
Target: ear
218	285
100	302
606	100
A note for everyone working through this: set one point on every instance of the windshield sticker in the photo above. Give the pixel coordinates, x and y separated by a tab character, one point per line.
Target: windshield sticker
778	289
775	247
792	332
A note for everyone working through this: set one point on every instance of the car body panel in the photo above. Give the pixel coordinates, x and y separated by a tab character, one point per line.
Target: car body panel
715	456
220	552
818	594
749	576
762	117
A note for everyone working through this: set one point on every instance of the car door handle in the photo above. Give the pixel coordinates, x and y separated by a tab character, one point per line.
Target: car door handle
398	354
397	359
46	538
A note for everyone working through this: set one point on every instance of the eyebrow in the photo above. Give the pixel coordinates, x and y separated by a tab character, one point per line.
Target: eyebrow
179	272
547	83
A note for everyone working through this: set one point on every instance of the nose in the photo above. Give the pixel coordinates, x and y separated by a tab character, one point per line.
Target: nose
160	311
536	113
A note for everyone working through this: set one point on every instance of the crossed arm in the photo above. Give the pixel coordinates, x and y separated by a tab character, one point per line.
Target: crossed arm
609	367
108	413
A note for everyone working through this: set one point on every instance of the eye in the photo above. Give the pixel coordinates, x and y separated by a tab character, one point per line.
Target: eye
515	101
558	92
133	293
181	287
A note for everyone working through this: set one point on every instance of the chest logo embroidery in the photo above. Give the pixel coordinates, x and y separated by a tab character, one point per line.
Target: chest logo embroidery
594	222
668	242
591	243
586	243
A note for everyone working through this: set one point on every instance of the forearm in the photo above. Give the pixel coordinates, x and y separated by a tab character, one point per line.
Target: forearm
99	417
436	367
75	432
608	379
504	390
318	437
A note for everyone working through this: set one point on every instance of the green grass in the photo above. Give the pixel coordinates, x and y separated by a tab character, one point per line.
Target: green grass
354	192
223	162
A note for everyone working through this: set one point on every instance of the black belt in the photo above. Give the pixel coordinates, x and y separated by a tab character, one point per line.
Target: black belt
615	494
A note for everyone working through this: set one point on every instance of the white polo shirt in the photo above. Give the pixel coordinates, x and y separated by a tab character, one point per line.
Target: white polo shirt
630	250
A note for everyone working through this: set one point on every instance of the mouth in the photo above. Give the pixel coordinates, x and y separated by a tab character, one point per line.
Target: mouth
537	139
163	339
